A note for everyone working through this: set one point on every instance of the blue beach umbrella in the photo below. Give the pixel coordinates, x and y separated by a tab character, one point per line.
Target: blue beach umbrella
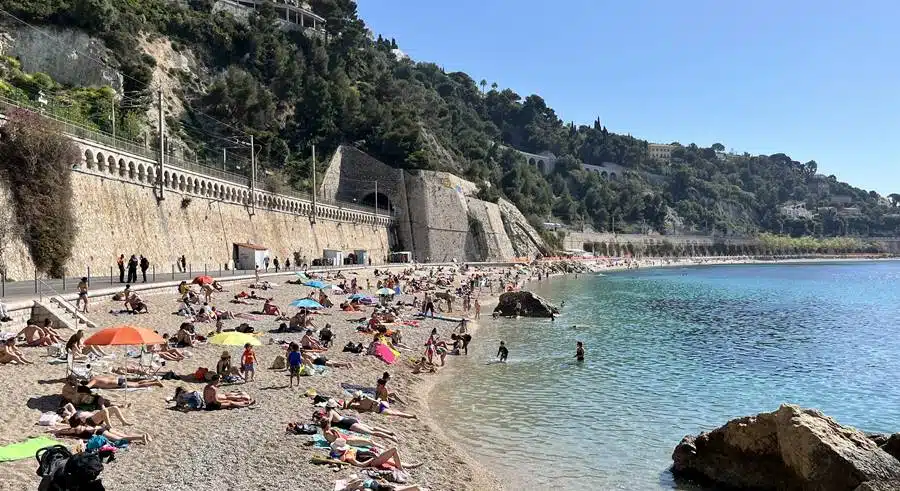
357	296
385	292
306	303
316	284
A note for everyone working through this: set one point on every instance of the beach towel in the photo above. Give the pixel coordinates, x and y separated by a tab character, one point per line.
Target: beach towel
386	354
26	449
320	442
351	388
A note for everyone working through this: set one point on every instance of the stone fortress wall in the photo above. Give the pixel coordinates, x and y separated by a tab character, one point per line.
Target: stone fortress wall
117	212
435	213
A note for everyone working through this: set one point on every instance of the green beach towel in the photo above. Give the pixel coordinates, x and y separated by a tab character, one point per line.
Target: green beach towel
26	449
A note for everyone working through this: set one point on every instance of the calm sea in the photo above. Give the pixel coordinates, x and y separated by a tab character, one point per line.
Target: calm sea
672	352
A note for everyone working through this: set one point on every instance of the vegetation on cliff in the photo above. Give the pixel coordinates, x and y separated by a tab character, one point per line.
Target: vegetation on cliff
292	89
36	165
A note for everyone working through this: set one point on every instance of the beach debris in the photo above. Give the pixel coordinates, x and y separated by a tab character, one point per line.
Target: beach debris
791	448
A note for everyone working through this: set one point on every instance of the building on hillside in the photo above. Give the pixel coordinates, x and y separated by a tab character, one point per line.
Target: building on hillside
850	211
291	12
661	151
840	200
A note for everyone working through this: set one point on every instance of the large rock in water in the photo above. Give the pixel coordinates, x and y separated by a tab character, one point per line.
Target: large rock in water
791	448
532	305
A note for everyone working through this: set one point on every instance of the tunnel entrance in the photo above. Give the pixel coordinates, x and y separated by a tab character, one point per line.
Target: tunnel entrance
384	204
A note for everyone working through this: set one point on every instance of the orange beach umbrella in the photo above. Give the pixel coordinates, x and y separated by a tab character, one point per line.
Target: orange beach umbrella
124	336
203	280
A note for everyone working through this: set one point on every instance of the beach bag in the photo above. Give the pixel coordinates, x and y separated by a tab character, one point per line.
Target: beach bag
244	328
49	419
305	429
279	363
190	400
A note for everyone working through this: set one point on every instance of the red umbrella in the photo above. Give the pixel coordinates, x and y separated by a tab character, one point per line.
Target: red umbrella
203	280
124	336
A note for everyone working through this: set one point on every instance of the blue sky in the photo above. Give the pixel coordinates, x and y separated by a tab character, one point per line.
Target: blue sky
813	79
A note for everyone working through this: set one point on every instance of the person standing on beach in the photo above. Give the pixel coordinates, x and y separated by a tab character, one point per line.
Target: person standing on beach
82	294
145	265
121	263
248	363
503	353
295	361
477	309
579	352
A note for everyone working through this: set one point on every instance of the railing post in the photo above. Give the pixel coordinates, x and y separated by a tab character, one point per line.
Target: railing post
89	275
153	272
64	280
205	272
3	283
110	275
35	281
190	270
173	272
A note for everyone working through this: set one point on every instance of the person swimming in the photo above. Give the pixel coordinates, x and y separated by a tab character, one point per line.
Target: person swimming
502	352
579	351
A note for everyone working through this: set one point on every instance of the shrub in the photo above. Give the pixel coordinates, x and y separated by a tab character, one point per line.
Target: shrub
36	161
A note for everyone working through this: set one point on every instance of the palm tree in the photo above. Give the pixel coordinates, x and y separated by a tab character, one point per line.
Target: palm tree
483	84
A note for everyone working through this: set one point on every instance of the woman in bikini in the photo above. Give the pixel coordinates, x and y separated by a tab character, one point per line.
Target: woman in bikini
86	432
353	424
75	346
99	417
390	458
10	354
364	404
165	352
331	434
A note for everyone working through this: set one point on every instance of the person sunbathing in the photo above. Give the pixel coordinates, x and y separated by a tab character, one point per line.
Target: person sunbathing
218	287
270	308
307	342
311	360
363	404
99	417
86	432
225	370
230	400
390	458
423	365
79	351
359	484
331	434
39	336
185	335
381	391
254	296
9	354
352	424
120	382
136	305
397	341
165	351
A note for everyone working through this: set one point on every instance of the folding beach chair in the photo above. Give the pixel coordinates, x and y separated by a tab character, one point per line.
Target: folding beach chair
80	371
147	364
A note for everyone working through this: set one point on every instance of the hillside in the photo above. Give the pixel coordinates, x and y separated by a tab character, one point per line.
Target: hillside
227	72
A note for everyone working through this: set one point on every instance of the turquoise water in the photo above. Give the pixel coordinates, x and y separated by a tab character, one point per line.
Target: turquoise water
672	352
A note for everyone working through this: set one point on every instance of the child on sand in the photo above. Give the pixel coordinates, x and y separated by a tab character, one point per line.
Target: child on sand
579	351
248	361
295	361
503	353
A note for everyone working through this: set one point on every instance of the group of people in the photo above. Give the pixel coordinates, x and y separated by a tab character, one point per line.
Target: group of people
132	265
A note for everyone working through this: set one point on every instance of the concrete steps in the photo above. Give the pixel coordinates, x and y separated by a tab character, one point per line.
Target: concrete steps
62	313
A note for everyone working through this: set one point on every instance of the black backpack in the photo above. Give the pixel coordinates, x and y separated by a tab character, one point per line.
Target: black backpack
62	471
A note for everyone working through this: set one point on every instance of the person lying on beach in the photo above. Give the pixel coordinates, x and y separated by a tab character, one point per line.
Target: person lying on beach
360	484
218	287
78	350
270	308
423	365
254	296
165	352
331	434
9	354
351	424
100	417
86	432
119	382
381	391
311	360
230	400
364	404
135	305
39	336
307	342
390	458
77	393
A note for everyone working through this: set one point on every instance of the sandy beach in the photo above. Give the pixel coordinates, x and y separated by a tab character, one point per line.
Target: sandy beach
249	448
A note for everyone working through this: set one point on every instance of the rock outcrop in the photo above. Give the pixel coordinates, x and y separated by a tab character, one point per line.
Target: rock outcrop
791	448
525	304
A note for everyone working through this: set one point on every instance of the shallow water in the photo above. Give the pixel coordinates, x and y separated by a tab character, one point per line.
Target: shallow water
672	352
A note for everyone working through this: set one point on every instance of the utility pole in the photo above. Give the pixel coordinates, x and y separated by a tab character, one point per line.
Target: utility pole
114	116
376	199
224	157
314	193
252	177
162	143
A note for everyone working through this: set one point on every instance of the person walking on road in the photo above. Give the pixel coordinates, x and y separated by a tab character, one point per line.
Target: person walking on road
266	262
132	269
276	263
145	265
182	264
82	294
121	263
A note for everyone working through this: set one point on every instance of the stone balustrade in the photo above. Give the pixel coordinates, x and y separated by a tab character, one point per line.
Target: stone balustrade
112	163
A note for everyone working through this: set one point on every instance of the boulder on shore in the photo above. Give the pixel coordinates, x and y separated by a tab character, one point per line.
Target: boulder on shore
791	448
524	303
